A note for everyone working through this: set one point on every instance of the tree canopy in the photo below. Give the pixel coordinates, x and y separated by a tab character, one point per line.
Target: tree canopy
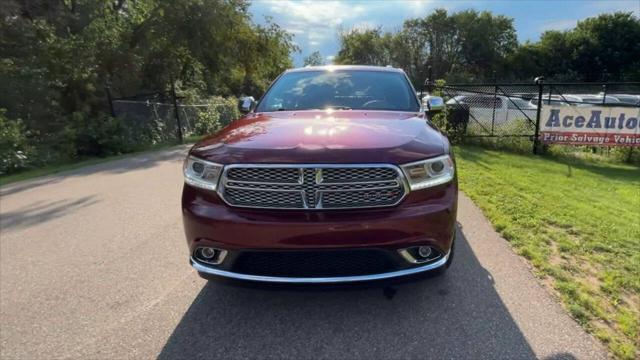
59	56
479	46
601	48
314	59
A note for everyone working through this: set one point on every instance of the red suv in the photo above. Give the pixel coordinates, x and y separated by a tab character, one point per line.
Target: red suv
336	175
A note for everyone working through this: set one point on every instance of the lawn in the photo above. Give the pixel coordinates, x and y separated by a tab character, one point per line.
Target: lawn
578	223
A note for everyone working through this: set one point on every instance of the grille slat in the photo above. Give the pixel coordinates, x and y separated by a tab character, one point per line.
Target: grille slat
265	198
275	175
312	186
357	174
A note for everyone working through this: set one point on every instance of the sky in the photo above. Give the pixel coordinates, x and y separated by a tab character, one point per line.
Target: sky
315	24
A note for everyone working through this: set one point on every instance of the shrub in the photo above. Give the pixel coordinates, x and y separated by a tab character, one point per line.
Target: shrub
97	135
15	152
218	113
207	122
227	108
451	122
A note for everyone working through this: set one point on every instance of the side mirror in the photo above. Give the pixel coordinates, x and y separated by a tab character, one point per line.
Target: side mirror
246	104
433	104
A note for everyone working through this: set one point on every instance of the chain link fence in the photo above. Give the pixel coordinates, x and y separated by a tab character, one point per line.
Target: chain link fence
492	110
507	115
155	120
512	110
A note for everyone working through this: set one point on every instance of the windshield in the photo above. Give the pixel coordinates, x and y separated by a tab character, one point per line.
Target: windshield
346	89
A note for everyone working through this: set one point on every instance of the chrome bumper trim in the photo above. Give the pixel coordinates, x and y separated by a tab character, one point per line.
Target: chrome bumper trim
318	280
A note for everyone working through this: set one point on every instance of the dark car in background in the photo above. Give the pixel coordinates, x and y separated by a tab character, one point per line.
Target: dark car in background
336	175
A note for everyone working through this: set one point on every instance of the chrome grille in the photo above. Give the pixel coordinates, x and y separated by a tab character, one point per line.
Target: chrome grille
312	186
358	174
279	175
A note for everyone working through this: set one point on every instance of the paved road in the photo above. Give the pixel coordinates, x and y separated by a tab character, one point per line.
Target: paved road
93	265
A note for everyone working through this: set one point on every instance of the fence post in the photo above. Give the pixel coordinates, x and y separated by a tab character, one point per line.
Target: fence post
175	109
495	101
540	82
428	82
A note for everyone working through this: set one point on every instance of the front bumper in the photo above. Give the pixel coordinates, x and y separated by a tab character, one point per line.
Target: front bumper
207	271
423	218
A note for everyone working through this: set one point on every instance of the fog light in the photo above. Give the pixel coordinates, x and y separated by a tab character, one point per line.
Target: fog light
208	253
424	251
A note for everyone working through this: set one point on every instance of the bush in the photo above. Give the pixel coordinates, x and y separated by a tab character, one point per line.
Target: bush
227	108
451	121
219	113
99	135
15	152
208	122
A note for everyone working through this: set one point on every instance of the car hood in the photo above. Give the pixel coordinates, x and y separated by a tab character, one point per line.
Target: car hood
324	137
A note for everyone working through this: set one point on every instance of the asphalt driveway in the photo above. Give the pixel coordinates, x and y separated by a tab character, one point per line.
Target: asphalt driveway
93	265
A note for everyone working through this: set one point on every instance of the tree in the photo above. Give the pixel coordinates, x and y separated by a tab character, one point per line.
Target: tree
485	40
476	46
57	56
314	59
364	47
605	47
464	45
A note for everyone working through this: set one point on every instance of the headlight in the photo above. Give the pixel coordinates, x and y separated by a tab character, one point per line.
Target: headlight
202	174
429	173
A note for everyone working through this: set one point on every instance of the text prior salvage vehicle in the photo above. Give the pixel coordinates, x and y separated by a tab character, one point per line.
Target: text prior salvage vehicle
336	175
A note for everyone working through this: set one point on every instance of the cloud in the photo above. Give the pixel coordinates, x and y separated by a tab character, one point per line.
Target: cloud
364	26
315	20
563	24
316	13
295	31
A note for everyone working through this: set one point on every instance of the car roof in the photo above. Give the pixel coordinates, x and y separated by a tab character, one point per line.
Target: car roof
347	67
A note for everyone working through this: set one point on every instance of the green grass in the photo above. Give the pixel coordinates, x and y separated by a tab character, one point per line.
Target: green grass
578	223
57	168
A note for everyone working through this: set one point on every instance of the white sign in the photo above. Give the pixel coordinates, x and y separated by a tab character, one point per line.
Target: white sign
590	125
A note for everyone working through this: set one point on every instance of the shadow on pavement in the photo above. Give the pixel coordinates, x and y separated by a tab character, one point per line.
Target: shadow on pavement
41	211
458	315
560	356
120	166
